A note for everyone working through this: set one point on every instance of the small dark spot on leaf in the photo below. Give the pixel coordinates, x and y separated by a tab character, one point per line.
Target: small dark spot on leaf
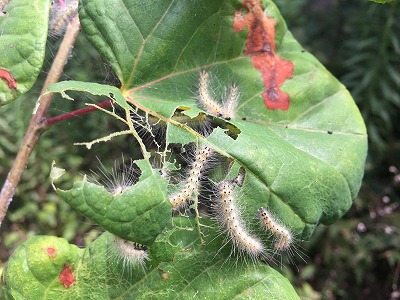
111	96
244	118
330	132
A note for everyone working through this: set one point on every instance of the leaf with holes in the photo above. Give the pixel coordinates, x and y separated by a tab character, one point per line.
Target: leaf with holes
262	103
304	163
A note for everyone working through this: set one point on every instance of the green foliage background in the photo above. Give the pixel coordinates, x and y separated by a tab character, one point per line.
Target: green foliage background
357	257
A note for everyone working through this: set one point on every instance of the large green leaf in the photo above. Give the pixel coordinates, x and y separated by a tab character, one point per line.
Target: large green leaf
23	35
305	164
181	270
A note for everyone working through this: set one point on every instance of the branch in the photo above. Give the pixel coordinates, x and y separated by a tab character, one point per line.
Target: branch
76	113
37	123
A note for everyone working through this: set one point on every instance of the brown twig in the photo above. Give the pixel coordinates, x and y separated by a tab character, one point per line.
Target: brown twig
37	122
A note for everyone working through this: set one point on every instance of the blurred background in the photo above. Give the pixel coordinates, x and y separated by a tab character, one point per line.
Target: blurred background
358	257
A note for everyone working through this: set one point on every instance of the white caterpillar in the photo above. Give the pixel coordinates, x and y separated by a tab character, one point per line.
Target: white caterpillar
61	12
204	97
192	182
283	235
118	179
228	214
205	101
284	241
230	103
3	4
131	253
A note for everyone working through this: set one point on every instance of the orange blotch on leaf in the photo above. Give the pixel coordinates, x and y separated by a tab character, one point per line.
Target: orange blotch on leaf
66	277
260	45
6	75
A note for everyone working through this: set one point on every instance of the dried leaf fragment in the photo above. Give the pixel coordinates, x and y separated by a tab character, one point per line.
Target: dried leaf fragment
6	76
260	45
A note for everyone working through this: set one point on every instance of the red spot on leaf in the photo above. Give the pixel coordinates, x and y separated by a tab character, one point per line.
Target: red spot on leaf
260	45
51	252
66	276
6	75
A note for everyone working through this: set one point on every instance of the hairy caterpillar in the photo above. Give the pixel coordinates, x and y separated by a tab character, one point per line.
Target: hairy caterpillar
284	241
192	182
230	103
283	236
205	100
119	178
61	12
228	214
3	4
131	253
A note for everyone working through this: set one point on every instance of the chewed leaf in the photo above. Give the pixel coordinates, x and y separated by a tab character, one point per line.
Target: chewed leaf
23	35
191	77
88	87
304	163
55	172
138	214
35	272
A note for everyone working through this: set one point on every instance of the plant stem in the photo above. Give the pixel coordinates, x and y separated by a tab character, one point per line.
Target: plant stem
75	113
37	122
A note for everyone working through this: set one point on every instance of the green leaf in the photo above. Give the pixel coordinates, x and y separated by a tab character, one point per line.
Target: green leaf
304	164
33	270
382	1
187	270
88	87
23	35
138	214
